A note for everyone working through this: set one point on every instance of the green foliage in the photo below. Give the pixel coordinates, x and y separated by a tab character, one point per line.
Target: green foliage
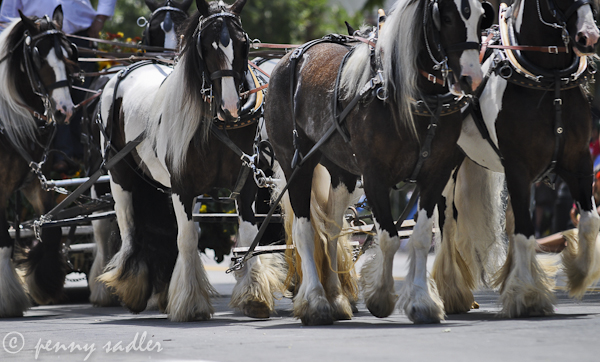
271	21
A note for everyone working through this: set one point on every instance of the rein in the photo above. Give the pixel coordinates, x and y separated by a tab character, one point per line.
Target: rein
374	84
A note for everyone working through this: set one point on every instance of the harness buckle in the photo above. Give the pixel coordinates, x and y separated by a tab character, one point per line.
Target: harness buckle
558	101
553	49
432	78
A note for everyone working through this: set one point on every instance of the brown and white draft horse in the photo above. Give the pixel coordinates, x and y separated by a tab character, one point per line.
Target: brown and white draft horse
538	117
36	61
421	41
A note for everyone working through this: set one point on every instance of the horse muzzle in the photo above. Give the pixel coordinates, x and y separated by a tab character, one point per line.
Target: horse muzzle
586	41
62	113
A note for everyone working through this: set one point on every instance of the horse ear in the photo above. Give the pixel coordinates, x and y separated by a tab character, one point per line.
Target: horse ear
237	7
350	28
203	7
152	5
58	17
185	5
29	24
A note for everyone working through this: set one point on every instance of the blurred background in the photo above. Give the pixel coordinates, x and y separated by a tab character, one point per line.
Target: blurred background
271	21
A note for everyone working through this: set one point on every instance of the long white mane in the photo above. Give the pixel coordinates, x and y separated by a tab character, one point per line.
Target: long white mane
18	124
397	47
183	112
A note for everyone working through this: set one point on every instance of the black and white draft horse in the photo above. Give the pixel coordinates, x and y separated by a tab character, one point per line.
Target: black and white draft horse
538	118
36	61
160	31
173	110
424	46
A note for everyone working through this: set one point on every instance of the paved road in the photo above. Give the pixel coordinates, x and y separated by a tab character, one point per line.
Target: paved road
104	334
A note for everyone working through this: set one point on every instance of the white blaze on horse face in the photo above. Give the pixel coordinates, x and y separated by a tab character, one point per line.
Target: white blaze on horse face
229	93
170	38
469	60
60	96
586	28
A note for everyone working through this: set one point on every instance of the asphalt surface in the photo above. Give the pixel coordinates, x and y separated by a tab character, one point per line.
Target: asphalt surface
80	332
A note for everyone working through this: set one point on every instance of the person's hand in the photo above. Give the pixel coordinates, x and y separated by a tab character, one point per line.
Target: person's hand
97	25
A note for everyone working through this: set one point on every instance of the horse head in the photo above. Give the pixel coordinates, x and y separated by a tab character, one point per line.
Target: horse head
453	33
577	17
167	16
222	47
48	60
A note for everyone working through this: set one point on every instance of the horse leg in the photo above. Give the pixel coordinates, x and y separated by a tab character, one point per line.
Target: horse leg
310	303
13	299
340	188
450	272
46	264
419	296
189	289
127	273
100	295
524	285
582	260
262	275
377	282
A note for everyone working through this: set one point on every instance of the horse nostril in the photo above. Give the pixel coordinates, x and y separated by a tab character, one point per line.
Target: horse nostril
466	79
581	39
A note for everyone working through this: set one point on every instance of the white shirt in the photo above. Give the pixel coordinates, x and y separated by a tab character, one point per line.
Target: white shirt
78	14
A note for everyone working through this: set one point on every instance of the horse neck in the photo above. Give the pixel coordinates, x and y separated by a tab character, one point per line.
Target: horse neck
529	30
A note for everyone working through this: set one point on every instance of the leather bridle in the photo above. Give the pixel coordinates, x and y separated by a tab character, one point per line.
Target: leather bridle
167	8
205	23
431	26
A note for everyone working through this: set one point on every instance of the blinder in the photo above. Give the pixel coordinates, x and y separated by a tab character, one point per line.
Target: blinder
564	17
489	13
168	9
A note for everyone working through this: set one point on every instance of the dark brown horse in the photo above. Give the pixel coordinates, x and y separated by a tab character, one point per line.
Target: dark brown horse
539	120
34	96
420	43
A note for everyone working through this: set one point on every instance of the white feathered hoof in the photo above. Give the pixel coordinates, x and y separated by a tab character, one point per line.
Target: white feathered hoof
100	295
581	262
525	300
381	303
189	290
422	307
341	308
256	309
132	286
256	283
456	300
314	310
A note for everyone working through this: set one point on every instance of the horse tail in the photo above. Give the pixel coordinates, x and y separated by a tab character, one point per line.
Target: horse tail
479	201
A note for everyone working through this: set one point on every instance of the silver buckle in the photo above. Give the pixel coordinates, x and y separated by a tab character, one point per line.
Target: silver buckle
553	49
